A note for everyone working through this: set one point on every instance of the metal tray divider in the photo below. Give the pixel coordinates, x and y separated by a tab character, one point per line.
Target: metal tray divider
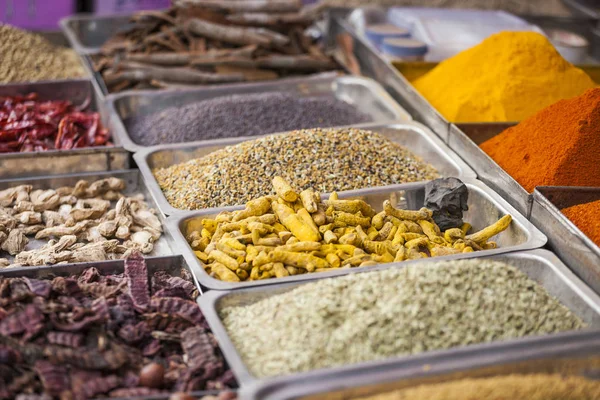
160	99
174	224
565	278
573	246
433	144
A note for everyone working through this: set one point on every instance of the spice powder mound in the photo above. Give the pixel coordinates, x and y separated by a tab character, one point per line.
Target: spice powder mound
514	387
587	218
558	146
377	315
323	159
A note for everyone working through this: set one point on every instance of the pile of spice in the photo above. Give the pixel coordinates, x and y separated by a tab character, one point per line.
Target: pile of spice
587	218
29	124
28	57
292	234
87	222
514	387
400	311
203	42
558	146
323	159
241	115
124	335
507	77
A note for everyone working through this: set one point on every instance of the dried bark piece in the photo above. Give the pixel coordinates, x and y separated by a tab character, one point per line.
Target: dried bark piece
27	320
54	377
137	280
135	392
67	339
166	322
39	287
186	309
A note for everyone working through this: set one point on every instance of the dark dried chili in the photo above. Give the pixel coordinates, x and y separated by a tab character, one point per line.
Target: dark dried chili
29	124
72	342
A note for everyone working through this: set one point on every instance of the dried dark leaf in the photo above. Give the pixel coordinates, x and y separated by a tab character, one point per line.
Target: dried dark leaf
39	287
67	339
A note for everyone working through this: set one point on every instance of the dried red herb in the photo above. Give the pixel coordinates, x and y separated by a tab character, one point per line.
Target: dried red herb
90	335
28	124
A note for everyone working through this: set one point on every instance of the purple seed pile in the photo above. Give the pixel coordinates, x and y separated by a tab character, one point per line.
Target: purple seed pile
241	115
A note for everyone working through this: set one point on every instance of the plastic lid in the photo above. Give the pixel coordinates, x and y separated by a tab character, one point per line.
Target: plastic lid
377	32
402	47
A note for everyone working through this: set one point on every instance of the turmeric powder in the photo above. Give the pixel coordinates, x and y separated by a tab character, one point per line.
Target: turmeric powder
507	77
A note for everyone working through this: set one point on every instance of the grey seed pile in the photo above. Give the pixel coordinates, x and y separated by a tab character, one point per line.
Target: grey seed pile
322	159
400	311
26	57
241	115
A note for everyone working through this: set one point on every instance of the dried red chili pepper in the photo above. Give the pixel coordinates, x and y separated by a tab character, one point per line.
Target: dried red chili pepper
27	124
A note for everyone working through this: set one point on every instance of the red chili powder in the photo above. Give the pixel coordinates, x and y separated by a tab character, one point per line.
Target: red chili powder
587	218
558	146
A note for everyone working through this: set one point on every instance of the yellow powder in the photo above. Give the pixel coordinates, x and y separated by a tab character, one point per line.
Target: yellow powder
507	77
510	387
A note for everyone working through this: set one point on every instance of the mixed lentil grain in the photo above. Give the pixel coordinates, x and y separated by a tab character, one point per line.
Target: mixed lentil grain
322	159
27	57
381	314
514	387
241	115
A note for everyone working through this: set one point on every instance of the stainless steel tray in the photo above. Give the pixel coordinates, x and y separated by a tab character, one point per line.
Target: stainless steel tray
540	265
465	140
17	165
412	135
171	264
364	93
564	237
485	207
569	354
374	66
135	184
87	33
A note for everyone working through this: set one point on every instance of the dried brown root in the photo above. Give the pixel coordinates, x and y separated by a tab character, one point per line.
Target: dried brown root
141	72
15	242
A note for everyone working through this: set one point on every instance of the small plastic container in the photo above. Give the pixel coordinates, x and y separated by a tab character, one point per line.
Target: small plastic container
376	33
573	47
404	49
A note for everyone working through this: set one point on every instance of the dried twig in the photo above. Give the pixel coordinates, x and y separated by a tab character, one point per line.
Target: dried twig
236	35
269	19
244	5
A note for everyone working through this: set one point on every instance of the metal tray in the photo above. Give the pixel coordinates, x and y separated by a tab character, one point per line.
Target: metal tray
87	33
564	237
568	354
414	136
135	184
485	207
540	265
465	139
363	93
171	264
104	158
374	66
